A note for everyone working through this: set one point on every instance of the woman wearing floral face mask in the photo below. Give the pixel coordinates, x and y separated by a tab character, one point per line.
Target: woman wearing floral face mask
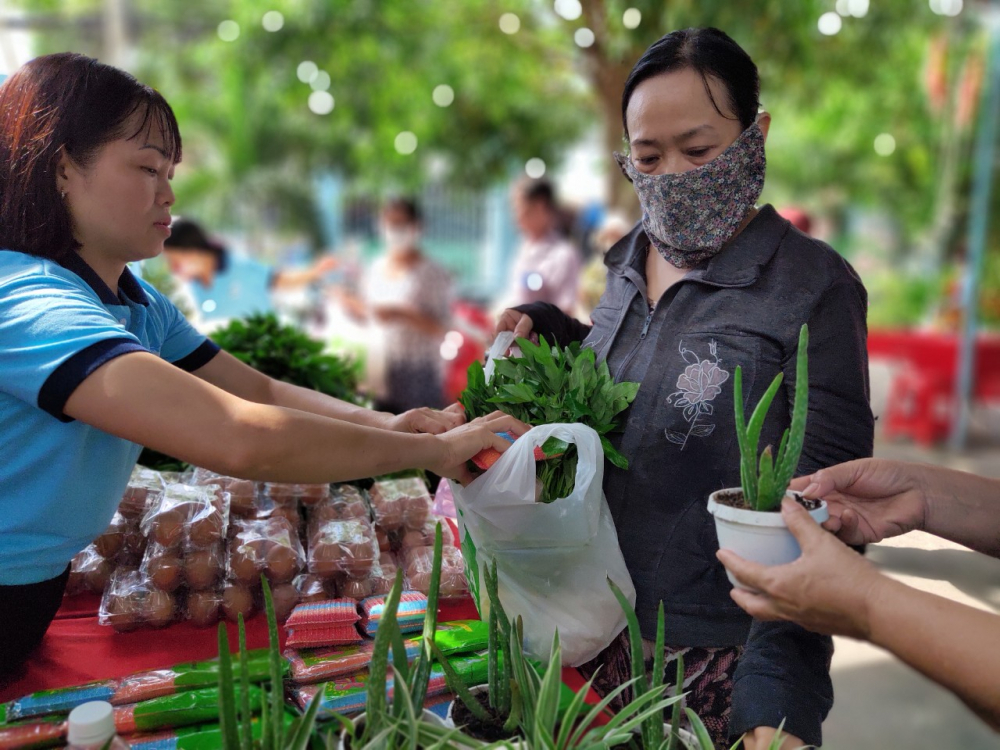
708	281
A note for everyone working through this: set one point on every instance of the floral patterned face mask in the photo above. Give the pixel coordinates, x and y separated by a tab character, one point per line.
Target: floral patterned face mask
689	216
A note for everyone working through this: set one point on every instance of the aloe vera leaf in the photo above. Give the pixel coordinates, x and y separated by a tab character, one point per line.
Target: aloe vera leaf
747	455
422	669
800	413
675	717
246	740
228	726
458	686
379	667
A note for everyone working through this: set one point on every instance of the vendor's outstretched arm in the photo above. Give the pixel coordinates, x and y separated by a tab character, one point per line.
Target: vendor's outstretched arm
228	373
139	397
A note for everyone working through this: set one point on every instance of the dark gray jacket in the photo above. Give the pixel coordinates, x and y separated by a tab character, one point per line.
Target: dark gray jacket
743	307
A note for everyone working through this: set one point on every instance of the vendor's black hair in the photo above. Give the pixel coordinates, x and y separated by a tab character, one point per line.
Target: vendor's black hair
408	206
64	103
711	53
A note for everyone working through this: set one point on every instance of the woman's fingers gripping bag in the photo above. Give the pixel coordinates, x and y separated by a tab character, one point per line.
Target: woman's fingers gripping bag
553	559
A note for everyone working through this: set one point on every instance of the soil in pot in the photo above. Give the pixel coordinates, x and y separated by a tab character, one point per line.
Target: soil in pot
734	499
492	731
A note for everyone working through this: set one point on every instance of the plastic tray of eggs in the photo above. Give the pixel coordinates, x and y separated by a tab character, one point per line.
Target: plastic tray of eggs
400	503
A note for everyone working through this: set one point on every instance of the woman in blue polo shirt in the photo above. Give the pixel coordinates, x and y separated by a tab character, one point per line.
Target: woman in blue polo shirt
95	363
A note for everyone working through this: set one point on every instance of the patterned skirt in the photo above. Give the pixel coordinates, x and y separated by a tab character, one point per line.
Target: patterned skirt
708	680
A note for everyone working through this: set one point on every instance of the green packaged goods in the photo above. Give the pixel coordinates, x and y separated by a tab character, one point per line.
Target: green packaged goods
156	683
179	710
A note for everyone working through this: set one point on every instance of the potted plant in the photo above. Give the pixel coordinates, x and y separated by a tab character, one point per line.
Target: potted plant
523	703
747	520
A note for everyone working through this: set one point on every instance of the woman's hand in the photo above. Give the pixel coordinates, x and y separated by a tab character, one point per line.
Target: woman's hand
462	443
869	499
829	589
512	320
431	421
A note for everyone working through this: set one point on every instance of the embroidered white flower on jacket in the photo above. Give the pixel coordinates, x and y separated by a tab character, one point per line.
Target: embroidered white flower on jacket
698	386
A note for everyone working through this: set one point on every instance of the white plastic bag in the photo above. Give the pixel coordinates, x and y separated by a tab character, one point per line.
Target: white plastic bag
553	560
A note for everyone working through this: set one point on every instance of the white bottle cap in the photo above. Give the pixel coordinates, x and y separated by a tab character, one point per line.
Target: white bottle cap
91	722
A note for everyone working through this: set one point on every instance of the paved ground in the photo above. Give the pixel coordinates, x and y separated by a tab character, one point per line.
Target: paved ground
881	703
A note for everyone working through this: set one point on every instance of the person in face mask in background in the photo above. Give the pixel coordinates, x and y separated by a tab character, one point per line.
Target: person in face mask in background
706	282
407	297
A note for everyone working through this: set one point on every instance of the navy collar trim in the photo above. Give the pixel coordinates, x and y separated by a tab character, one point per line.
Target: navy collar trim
129	289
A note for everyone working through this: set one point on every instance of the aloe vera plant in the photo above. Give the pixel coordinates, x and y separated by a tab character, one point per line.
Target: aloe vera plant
766	479
235	711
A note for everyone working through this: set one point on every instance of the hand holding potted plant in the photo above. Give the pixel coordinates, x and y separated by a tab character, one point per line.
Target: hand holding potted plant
747	520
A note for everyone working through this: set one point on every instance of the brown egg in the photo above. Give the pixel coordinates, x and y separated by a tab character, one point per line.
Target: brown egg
285	597
237	599
282	564
359	559
206	530
382	585
203	607
420	582
311	494
413	539
390	517
159	609
243	564
123	613
133	503
109	543
75	584
415	512
202	568
289	514
96	578
452	583
310	588
168	527
134	543
242	503
384	542
165	571
355	588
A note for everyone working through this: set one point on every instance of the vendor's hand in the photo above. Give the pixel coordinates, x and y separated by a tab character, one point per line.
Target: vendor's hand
869	499
423	419
457	410
829	589
521	324
762	737
462	443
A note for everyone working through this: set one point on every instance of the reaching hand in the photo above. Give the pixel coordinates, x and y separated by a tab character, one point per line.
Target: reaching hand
462	443
828	589
869	499
426	420
521	324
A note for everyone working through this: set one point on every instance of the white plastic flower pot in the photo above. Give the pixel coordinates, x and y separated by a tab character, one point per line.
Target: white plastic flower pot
756	535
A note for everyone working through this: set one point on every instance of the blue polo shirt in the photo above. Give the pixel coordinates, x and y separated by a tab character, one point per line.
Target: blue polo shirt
240	287
61	480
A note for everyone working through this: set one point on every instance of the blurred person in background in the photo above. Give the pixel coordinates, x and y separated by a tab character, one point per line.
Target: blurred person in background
407	298
832	589
798	218
594	276
547	266
225	285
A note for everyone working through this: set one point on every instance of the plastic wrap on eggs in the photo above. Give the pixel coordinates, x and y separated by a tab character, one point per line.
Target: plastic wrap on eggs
131	601
269	546
242	492
377	582
204	608
188	515
424	537
144	489
399	503
337	547
418	563
344	503
89	573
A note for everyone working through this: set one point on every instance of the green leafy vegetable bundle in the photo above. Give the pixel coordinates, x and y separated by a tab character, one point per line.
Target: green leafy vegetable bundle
546	385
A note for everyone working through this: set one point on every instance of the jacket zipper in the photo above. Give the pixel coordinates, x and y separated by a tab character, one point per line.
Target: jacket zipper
631	354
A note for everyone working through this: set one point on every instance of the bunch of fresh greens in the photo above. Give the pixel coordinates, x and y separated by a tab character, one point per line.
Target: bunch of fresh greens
765	482
287	354
546	385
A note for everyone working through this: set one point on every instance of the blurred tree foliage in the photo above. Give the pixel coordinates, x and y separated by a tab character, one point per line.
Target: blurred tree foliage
252	142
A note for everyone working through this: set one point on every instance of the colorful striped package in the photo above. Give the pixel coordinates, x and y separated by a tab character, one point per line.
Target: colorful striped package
180	710
349	695
410	615
323	614
319	665
156	683
332	635
58	701
38	733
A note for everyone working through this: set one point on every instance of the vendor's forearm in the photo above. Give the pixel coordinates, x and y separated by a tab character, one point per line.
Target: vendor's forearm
951	643
963	507
285	445
295	397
